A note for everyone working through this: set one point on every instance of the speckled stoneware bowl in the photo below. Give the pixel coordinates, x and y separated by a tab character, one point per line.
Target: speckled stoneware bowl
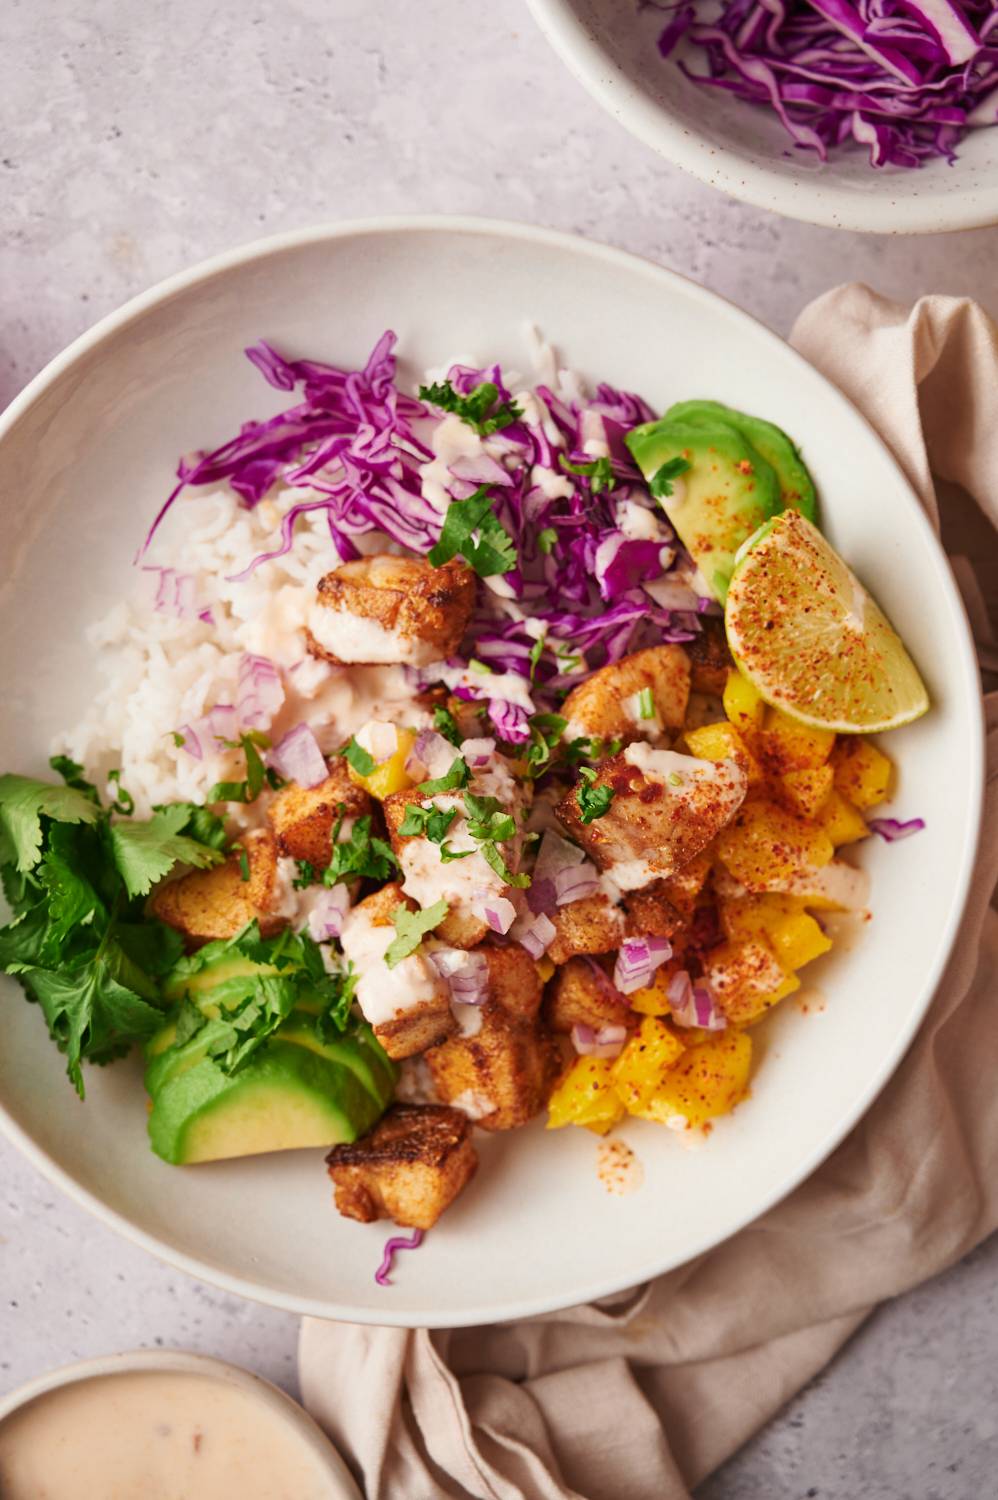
87	453
610	46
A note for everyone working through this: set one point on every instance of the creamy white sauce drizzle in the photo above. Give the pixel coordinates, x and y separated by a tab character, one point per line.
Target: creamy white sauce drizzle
384	994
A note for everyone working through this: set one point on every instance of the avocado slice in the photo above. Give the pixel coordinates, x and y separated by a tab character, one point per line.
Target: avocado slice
229	972
286	1097
358	1050
728	491
769	441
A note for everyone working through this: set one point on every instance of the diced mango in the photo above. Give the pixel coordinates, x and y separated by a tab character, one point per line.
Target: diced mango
723	742
862	772
391	775
586	1096
742	704
747	979
798	939
756	916
545	968
843	822
805	791
765	845
785	745
707	1081
638	1070
652	1001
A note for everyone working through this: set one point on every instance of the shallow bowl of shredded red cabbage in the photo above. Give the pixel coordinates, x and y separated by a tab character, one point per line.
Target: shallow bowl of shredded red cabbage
874	115
88	455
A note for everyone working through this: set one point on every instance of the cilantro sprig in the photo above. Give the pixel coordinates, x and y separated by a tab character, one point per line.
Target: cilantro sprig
256	772
593	801
452	780
360	856
660	484
480	408
472	529
445	723
80	943
599	472
410	929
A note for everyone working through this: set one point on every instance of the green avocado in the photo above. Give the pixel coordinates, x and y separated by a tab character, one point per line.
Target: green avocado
284	1098
219	974
360	1050
769	441
728	491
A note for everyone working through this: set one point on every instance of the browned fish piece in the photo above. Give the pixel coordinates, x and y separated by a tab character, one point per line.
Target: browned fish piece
581	994
592	925
710	658
218	903
409	1168
417	613
303	818
415	1027
599	708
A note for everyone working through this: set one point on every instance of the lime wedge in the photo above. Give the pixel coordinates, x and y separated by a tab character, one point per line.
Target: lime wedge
809	637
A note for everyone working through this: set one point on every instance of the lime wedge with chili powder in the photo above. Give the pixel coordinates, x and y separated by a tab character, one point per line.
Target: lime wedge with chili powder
811	640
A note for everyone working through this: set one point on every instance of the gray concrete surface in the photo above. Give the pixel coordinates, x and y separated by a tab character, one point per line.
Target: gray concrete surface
135	140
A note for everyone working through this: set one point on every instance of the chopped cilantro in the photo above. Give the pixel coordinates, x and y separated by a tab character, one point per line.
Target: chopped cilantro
591	747
359	759
487	820
646	704
454	779
599	472
434	822
660	483
359	856
179	739
476	408
493	857
146	851
244	865
546	540
546	731
250	789
471	529
124	802
445	723
306	875
593	801
410	929
536	652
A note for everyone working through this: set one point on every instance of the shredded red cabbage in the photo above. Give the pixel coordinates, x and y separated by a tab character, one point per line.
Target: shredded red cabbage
392	1247
891	830
905	78
588	535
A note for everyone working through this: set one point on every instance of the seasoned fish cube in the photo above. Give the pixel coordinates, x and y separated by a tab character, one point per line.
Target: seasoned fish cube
609	704
710	658
391	610
665	908
582	995
592	925
218	903
409	1168
303	818
408	1005
665	809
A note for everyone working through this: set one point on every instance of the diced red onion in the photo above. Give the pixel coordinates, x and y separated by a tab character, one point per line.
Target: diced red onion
328	911
298	758
379	739
466	973
206	733
608	1041
497	911
577	884
192	741
392	1247
891	830
694	1004
637	960
175	592
536	935
260	694
478	752
222	721
431	756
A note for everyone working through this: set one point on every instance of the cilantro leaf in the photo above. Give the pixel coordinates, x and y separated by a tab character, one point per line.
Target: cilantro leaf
546	731
23	804
146	851
476	408
471	528
202	824
359	856
452	780
487	819
124	802
445	723
410	929
599	472
433	822
492	856
306	875
361	760
72	774
593	801
256	775
660	483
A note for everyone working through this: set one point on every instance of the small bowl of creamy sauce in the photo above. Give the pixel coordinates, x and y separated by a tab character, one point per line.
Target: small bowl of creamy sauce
163	1426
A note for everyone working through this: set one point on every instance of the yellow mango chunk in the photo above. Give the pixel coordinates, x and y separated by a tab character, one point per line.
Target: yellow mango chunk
747	979
391	775
843	822
545	968
638	1071
742	704
586	1096
805	791
707	1081
786	745
765	845
862	772
798	939
756	916
652	1001
723	742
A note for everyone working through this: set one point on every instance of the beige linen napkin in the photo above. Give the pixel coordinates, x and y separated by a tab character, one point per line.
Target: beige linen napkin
641	1397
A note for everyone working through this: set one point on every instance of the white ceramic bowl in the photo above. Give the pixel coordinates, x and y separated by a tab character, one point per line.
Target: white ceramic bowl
270	1399
87	452
610	47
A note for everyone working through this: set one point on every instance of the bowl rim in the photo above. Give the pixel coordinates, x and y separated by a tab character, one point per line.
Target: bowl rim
966	666
188	1362
812	200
